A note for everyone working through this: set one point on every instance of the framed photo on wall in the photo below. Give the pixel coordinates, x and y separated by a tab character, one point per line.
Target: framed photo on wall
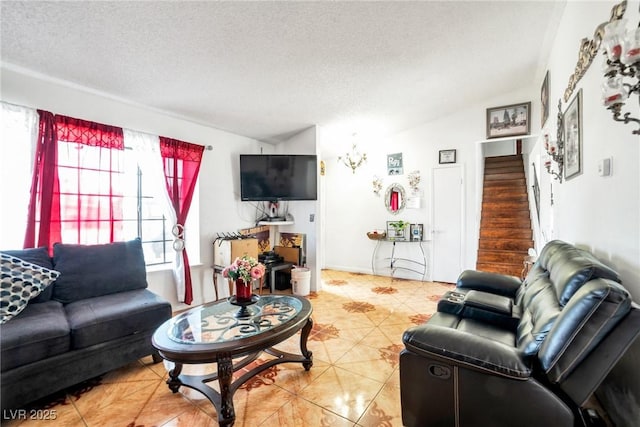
509	120
572	128
544	100
447	156
394	164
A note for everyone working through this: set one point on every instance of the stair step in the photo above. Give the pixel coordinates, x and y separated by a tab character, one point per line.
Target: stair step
504	176
502	159
496	196
503	168
497	213
506	244
506	222
504	192
510	269
506	233
505	204
506	257
509	183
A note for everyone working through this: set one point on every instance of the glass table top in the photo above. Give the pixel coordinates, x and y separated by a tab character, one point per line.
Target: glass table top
221	322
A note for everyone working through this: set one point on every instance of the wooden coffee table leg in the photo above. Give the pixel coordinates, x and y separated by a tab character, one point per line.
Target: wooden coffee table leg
227	414
304	336
174	382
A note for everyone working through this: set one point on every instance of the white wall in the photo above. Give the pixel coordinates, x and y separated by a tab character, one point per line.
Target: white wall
305	142
219	207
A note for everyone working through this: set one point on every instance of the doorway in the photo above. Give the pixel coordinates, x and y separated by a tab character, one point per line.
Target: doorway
448	223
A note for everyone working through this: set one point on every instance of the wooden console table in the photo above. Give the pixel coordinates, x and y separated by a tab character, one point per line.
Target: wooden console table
418	265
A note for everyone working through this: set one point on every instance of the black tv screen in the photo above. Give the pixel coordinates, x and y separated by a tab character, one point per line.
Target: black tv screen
273	177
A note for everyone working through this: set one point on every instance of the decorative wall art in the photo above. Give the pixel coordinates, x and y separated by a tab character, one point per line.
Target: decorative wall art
377	185
544	99
416	232
509	120
447	156
394	164
572	126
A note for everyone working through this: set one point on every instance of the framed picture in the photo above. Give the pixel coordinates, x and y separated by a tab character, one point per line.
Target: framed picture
447	156
572	128
394	164
416	232
509	120
544	99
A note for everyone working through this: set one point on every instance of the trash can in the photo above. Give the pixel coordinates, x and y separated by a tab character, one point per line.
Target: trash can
301	281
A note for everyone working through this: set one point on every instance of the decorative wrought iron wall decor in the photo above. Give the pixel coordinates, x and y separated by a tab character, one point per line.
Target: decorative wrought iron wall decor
589	49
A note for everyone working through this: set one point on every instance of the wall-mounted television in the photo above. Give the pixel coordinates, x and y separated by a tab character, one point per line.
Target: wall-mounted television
273	177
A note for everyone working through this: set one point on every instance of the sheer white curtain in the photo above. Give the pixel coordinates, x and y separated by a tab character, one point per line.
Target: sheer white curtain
146	149
18	134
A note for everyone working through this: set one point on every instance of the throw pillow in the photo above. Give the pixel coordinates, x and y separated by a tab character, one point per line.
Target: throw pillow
20	281
89	271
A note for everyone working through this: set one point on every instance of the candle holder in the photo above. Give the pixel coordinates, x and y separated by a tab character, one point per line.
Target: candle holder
555	150
621	70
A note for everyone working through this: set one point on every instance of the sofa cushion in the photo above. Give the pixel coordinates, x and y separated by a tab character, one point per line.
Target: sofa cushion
20	281
570	268
101	319
38	256
89	271
41	331
594	310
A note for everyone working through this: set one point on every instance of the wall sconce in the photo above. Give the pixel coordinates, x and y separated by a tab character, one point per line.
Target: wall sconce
414	181
621	69
354	159
377	185
555	150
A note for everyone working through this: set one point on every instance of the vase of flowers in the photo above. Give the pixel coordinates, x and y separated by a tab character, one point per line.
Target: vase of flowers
243	271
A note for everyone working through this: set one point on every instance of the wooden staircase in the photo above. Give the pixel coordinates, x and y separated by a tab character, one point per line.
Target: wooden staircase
505	227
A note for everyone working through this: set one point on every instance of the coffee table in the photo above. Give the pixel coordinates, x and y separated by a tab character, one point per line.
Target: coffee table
222	331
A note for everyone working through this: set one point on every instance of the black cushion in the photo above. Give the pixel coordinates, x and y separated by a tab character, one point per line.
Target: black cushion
38	256
105	318
39	332
88	271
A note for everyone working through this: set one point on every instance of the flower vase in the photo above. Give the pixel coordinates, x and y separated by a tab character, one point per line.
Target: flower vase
243	291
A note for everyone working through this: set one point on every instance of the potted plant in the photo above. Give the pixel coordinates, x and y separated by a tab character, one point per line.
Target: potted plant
398	229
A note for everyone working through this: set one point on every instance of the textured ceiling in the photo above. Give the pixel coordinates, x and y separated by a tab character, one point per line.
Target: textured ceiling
270	69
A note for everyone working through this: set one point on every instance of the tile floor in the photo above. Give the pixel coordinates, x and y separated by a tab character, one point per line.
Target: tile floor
357	336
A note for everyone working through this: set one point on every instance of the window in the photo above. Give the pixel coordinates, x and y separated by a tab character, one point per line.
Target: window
104	197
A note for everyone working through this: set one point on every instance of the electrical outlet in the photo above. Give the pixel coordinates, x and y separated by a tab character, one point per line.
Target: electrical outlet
312	217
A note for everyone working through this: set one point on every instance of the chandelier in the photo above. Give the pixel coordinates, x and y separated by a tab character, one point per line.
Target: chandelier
354	159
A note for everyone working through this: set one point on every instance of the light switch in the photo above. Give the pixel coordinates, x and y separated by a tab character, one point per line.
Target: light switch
604	167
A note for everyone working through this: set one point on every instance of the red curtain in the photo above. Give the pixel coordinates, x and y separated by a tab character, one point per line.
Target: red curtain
181	168
44	209
73	196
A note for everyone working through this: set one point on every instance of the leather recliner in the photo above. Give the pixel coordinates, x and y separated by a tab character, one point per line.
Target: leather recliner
472	367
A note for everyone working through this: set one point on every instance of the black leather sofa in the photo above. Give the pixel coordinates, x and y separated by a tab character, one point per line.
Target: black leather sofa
95	317
505	352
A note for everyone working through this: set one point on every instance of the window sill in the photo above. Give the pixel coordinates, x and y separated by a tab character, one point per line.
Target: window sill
168	267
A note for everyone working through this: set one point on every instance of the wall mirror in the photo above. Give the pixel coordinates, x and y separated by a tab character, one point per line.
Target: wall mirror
394	198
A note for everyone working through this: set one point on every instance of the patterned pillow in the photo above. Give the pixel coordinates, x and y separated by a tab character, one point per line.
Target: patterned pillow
19	282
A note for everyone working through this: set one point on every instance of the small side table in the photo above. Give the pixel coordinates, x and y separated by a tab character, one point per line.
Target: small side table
272	270
218	270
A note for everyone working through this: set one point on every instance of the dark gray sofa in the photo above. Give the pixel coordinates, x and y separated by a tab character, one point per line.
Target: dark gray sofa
96	316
